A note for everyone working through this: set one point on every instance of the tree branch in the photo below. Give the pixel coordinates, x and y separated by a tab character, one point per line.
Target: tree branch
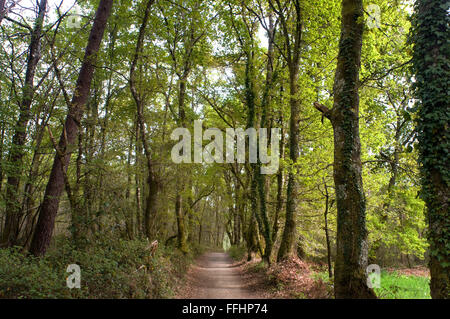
326	112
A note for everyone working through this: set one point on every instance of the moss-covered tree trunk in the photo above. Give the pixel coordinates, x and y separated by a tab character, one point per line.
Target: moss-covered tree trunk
152	184
261	178
431	64
293	39
251	123
352	249
288	238
181	224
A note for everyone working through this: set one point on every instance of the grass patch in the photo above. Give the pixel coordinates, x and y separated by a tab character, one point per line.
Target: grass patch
394	285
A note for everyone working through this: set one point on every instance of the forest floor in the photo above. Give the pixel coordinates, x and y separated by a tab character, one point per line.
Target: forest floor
215	276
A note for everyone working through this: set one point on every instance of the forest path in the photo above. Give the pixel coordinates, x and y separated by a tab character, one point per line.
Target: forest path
213	276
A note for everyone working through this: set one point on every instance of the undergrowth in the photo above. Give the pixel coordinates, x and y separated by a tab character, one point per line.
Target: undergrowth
111	268
237	253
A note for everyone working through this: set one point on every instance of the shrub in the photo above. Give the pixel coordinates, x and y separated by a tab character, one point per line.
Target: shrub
237	252
109	269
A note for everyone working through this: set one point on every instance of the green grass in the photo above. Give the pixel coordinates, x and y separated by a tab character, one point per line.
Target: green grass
395	286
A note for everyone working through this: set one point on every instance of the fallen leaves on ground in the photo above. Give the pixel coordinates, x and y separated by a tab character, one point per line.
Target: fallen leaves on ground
291	278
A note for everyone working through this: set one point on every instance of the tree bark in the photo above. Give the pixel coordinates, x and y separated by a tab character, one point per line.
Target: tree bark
150	204
30	186
55	186
2	10
431	66
138	183
327	236
261	178
352	248
129	216
292	34
280	178
182	244
16	152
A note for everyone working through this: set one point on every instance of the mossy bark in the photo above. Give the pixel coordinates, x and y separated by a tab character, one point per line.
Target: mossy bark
152	183
261	178
431	66
181	225
352	248
293	47
350	279
288	239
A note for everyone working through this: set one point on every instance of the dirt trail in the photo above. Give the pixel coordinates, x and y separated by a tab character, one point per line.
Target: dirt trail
214	276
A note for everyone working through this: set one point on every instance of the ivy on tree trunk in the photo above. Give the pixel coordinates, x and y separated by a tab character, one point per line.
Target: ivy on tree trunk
432	73
352	247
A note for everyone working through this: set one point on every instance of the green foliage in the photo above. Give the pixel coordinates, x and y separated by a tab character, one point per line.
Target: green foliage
28	277
109	269
209	42
237	252
398	226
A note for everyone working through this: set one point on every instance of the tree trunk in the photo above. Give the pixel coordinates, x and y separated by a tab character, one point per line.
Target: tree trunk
16	153
279	205
55	186
293	45
254	172
129	216
431	65
2	10
288	238
250	237
327	236
150	204
352	247
261	178
30	186
184	186
138	184
182	244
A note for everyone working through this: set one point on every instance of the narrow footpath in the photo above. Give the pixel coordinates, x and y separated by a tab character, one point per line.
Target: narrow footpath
213	276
